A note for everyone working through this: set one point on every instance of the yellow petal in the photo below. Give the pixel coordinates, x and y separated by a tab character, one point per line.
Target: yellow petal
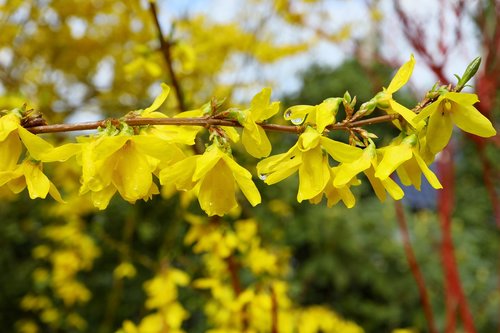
256	149
158	148
310	139
217	187
38	184
394	156
393	189
325	113
62	153
407	114
427	111
261	100
41	150
297	114
244	180
313	174
260	107
106	146
340	151
180	174
10	151
8	124
284	170
439	131
376	183
470	120
251	129
37	147
347	171
412	171
271	163
402	76
54	193
404	177
232	133
132	175
158	100
431	177
347	197
5	177
462	98
101	198
269	111
207	161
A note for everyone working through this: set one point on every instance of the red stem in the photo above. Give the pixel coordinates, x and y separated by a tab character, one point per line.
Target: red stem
453	287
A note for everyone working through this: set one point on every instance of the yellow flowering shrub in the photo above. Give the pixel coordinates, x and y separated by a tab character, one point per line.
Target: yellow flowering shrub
193	144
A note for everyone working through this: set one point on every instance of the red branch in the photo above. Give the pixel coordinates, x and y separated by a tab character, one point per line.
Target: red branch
455	296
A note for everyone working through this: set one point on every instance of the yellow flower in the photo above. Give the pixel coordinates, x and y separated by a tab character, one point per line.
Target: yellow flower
402	155
215	175
211	238
453	108
124	270
320	115
385	100
29	174
10	145
162	289
254	138
367	163
307	157
123	163
335	194
260	260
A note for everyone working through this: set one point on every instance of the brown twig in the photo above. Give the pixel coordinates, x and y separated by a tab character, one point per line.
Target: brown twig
233	269
165	47
415	268
274	311
200	121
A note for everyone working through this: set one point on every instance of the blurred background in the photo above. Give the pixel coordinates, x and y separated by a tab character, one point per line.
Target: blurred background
91	59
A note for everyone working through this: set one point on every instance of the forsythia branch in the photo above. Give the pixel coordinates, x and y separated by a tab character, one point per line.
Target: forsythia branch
198	121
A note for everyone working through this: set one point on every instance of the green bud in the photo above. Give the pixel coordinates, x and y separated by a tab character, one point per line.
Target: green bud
411	140
347	97
369	106
382	100
470	71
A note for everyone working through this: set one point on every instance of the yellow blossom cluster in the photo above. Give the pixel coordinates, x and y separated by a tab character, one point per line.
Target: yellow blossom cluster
263	304
68	251
134	160
168	314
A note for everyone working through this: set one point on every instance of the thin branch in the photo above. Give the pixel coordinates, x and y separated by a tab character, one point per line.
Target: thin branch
274	311
455	297
199	121
165	47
